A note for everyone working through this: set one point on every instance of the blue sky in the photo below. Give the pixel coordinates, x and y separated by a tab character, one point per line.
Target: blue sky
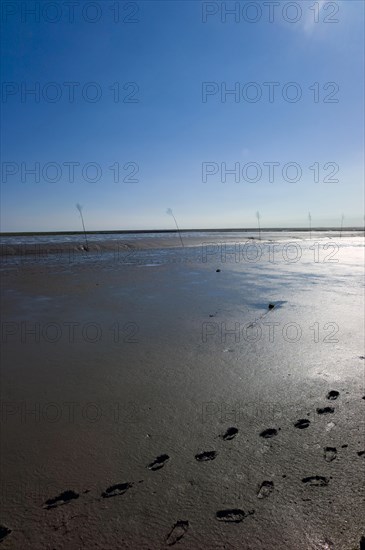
168	132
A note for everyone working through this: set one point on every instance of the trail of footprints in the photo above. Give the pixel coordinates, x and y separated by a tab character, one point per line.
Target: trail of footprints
229	515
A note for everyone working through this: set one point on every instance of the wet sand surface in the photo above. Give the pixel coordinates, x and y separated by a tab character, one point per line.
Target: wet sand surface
160	400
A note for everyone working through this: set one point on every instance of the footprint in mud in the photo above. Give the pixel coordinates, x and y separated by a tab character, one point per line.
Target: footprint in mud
302	423
4	532
230	433
177	532
159	462
270	432
316	481
333	394
232	515
265	489
325	410
63	498
330	453
206	455
116	490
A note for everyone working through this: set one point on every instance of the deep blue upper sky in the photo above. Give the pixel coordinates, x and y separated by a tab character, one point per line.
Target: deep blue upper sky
171	130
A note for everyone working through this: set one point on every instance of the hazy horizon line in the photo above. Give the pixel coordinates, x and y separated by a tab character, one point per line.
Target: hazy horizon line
192	230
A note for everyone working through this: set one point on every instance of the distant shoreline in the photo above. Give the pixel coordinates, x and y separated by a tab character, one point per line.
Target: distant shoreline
148	231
